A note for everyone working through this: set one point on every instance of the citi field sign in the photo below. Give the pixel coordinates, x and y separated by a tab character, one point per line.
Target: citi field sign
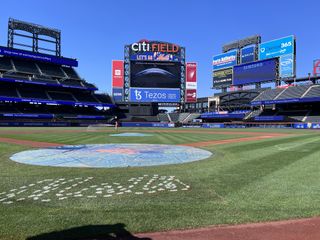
146	46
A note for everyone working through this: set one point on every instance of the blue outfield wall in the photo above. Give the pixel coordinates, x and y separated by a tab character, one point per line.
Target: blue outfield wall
147	124
219	116
212	125
34	124
269	118
306	125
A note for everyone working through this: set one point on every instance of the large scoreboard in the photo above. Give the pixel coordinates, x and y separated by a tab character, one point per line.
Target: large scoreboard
153	71
255	62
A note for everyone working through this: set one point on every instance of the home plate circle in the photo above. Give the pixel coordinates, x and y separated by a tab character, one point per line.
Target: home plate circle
111	155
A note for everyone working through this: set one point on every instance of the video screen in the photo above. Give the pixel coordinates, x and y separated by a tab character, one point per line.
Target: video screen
155	74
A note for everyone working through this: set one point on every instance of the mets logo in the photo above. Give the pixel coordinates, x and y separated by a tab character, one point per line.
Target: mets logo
128	151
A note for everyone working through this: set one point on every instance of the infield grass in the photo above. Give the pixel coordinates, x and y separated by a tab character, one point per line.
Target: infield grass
242	182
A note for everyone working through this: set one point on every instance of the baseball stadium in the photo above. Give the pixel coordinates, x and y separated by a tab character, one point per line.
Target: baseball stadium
150	159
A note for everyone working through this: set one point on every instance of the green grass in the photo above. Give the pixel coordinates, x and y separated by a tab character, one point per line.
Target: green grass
256	181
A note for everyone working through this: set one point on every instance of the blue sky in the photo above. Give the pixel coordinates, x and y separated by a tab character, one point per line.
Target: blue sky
95	31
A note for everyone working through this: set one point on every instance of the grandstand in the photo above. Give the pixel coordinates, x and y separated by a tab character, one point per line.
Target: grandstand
46	89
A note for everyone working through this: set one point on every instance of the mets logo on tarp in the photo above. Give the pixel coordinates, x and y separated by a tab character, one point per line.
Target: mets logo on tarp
128	151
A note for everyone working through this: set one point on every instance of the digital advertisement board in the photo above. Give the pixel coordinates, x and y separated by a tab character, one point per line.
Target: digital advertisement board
284	48
222	78
277	48
225	60
247	54
154	95
316	67
154	56
191	82
256	72
286	63
117	94
117	74
155	74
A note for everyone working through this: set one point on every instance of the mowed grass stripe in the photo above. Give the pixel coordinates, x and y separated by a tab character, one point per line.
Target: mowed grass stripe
257	166
242	182
88	138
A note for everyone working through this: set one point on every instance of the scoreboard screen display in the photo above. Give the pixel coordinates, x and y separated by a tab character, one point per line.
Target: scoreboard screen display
146	74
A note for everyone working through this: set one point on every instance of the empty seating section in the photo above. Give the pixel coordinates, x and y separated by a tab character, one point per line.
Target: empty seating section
268	94
30	92
84	97
296	115
293	92
5	64
174	117
51	70
61	96
313	116
44	79
268	112
183	116
8	91
191	117
89	85
163	117
146	118
302	91
25	66
16	76
72	82
70	72
313	92
103	98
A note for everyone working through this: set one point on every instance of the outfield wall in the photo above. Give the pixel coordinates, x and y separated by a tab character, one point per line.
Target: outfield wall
147	124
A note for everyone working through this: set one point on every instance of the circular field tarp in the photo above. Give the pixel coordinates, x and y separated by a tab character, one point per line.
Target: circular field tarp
111	155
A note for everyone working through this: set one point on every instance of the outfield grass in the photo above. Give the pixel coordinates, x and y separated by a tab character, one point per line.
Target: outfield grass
243	182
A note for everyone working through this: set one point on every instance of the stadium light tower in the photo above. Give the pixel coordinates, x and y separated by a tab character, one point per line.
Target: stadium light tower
33	31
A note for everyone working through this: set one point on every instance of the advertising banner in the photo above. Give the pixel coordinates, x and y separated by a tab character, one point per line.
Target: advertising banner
247	54
38	56
222	78
276	48
286	63
117	74
260	71
225	60
316	67
154	56
191	72
147	124
191	95
154	95
191	82
117	94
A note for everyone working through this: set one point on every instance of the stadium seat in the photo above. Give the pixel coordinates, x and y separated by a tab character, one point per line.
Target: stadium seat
51	70
23	66
5	64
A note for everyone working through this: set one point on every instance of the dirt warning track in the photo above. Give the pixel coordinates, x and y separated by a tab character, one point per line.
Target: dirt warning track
301	229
